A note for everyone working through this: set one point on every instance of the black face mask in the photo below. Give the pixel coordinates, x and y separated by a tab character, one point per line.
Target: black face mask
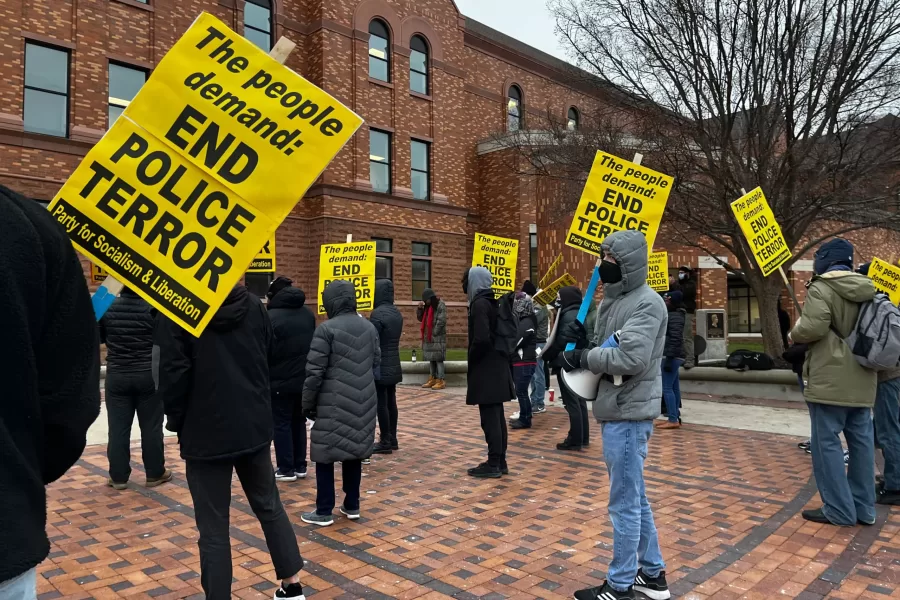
610	272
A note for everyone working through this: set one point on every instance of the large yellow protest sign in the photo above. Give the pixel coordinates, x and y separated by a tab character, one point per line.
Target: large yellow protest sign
618	195
886	278
549	274
353	262
759	226
498	255
264	262
548	294
658	271
181	193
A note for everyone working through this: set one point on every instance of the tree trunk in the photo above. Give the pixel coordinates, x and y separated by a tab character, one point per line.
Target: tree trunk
767	292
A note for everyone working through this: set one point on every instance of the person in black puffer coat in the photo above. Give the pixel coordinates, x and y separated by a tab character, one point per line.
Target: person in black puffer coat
524	361
569	330
127	331
339	395
293	326
216	394
388	324
673	358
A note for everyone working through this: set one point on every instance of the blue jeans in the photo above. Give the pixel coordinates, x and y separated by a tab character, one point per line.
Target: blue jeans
848	493
887	431
522	376
538	383
21	587
672	387
635	541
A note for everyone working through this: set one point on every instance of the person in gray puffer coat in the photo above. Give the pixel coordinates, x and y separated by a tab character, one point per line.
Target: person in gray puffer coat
339	395
635	315
388	322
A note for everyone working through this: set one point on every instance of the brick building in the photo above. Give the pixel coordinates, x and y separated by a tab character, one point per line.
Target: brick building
420	177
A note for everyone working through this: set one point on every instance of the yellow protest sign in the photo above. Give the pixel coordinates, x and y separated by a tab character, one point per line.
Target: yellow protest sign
618	195
353	262
886	278
498	255
546	278
181	193
658	271
759	226
98	274
264	262
548	294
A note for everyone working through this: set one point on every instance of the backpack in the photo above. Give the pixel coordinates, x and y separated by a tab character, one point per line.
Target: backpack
506	330
748	360
875	339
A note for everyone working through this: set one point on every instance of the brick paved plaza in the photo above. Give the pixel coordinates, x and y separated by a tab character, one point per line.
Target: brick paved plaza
727	506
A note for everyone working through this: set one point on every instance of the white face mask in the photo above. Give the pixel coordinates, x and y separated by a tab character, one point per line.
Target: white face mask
682	276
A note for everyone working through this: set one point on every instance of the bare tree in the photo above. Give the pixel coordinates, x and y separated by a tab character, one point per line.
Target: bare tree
794	96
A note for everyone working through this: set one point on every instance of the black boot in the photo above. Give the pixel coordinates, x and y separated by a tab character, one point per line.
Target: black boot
567	445
382	448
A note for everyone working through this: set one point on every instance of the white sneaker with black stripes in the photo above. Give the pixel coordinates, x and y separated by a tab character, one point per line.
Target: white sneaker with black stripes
654	588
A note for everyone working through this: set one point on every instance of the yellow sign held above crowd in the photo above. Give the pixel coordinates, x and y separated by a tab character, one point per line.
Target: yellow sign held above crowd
546	278
548	295
619	195
658	271
757	222
98	274
886	278
498	255
207	160
264	262
353	262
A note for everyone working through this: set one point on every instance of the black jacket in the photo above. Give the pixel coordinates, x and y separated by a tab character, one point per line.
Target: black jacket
568	330
50	369
293	326
127	331
674	346
688	289
528	337
216	387
388	323
489	377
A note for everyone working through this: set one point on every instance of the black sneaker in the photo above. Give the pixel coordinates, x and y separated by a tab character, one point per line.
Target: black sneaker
605	592
889	497
805	444
485	471
565	445
293	590
504	468
382	448
519	424
654	588
395	445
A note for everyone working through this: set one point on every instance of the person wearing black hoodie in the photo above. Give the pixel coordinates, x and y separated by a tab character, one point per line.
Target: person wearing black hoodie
569	330
388	323
524	360
50	368
293	325
216	393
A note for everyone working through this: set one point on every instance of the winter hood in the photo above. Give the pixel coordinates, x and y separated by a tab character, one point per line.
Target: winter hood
570	296
339	298
384	292
849	286
629	248
480	279
232	311
289	297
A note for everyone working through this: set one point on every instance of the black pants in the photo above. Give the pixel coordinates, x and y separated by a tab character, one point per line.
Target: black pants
493	423
351	473
290	432
127	393
579	423
210	485
387	413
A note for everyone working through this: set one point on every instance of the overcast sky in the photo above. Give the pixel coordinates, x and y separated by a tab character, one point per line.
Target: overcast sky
526	20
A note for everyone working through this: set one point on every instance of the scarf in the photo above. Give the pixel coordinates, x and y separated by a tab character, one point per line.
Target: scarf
427	326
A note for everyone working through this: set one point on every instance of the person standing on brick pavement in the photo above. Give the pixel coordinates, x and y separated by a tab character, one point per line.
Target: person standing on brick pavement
539	379
839	391
432	314
637	317
293	325
127	330
50	367
524	360
688	287
388	322
489	378
339	395
673	359
217	398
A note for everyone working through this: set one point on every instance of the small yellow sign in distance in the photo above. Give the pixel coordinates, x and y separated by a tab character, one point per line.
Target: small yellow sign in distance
548	295
658	271
498	255
353	262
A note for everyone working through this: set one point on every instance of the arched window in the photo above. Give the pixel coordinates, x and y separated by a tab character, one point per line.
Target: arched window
418	65
258	23
572	123
514	109
379	51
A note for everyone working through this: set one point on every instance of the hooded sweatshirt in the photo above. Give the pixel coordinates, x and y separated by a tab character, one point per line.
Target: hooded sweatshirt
489	377
293	325
568	328
388	322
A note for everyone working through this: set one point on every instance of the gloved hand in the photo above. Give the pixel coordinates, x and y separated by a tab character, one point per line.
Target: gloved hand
309	414
571	360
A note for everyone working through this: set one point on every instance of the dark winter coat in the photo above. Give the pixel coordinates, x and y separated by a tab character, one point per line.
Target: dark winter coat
688	289
340	384
293	326
50	369
568	328
434	349
216	387
674	346
388	324
127	331
489	377
528	345
542	316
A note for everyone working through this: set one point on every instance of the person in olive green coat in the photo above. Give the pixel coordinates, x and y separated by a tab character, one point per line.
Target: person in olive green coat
838	390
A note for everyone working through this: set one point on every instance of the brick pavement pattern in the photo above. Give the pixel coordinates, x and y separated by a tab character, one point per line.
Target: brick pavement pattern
727	505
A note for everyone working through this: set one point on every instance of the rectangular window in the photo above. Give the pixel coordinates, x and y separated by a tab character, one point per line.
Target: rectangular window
421	269
421	175
124	84
46	90
258	283
258	23
533	254
380	161
384	258
743	308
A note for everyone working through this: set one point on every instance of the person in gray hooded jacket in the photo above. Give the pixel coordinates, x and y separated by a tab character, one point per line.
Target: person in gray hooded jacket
636	315
339	395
